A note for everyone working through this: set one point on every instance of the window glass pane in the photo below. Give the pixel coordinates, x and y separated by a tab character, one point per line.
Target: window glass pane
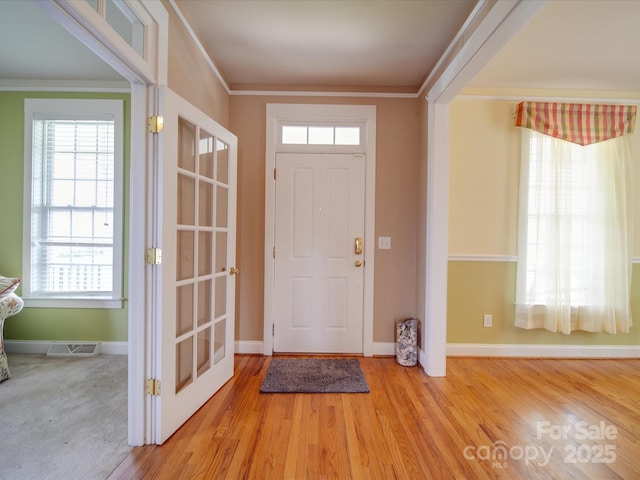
81	225
124	21
221	206
61	193
104	194
85	194
347	135
59	224
206	154
220	296
320	135
186	145
184	309
76	269
103	227
219	337
205	252
186	200
185	247
221	251
184	363
294	135
204	351
223	162
205	208
205	300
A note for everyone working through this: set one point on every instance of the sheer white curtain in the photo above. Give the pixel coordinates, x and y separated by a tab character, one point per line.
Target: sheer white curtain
574	251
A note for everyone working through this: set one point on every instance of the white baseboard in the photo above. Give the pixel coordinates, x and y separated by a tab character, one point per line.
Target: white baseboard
384	348
42	346
114	348
545	351
388	349
256	346
249	346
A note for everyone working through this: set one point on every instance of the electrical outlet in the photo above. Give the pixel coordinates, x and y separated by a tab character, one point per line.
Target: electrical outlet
488	320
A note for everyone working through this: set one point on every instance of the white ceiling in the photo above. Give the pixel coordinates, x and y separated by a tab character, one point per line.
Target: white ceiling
34	47
369	44
572	44
326	42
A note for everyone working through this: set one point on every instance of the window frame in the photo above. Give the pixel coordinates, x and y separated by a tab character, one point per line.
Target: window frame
54	108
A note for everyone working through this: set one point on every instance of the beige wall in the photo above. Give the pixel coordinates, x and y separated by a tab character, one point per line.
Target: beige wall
396	208
483	197
191	77
484	179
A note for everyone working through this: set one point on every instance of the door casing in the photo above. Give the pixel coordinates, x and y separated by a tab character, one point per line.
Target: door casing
276	114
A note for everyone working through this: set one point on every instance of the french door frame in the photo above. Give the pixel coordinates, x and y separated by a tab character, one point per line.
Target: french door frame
144	75
276	114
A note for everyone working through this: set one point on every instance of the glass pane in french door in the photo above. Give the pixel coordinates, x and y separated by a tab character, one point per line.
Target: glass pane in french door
221	284
197	253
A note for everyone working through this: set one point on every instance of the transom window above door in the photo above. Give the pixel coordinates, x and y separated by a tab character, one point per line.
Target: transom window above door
348	137
320	135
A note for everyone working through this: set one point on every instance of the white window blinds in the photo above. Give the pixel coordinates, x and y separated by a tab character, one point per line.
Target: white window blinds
75	203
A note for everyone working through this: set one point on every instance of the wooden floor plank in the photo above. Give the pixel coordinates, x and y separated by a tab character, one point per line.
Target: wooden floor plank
481	421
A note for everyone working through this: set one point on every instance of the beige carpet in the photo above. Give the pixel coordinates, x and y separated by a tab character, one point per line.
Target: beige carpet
63	418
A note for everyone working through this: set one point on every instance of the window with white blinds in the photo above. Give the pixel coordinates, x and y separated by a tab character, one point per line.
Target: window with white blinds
73	195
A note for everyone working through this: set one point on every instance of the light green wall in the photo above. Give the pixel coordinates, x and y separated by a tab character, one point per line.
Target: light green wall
46	323
477	288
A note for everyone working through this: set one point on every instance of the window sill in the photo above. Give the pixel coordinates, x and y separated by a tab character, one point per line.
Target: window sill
86	302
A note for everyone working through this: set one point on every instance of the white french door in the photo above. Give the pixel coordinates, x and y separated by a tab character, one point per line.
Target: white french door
196	282
319	253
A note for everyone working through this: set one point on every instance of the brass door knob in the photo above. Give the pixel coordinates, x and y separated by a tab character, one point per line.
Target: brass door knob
233	271
357	263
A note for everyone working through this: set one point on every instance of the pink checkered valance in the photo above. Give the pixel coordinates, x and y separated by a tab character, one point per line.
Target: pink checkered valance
583	124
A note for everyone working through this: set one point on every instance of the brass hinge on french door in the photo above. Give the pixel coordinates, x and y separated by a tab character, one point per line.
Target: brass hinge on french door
156	124
153	387
154	256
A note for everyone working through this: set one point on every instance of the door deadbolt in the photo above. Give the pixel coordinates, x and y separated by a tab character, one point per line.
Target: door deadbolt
358	246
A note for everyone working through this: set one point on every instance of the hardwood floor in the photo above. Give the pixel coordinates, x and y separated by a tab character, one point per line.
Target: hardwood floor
489	418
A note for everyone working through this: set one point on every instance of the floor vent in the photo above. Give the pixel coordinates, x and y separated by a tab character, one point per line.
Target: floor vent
73	349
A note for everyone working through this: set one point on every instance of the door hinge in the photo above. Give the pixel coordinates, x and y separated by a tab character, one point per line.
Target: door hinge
274	173
156	124
274	252
154	256
273	330
153	387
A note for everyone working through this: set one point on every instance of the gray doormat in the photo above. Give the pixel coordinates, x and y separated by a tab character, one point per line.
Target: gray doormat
314	375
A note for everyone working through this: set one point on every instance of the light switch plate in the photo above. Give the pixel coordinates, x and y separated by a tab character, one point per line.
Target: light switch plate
384	243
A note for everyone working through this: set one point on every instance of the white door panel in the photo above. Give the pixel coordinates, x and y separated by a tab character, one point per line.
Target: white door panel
318	287
196	219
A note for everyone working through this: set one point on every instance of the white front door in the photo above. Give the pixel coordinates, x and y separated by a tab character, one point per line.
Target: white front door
196	218
319	253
